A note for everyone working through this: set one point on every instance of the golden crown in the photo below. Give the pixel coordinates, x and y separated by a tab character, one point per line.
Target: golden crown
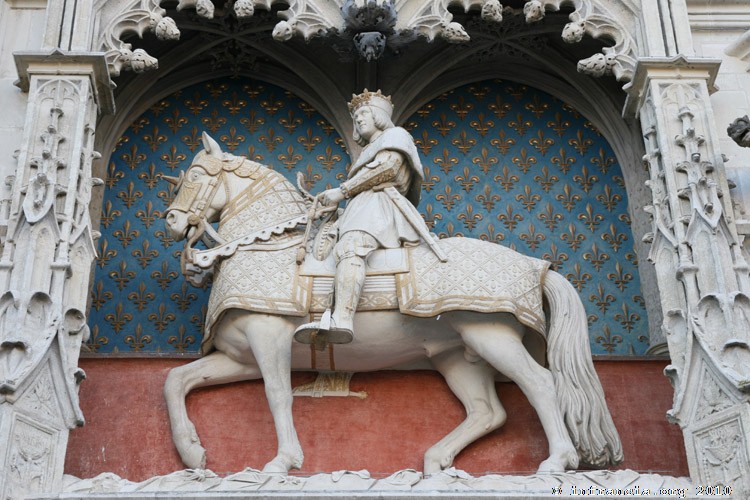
374	99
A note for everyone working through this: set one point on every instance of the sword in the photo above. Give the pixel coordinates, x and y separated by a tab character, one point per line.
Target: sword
411	214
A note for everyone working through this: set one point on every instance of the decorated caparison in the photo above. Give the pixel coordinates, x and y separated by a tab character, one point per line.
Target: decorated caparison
266	256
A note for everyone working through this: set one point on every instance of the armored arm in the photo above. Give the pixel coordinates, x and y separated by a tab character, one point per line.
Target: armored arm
384	168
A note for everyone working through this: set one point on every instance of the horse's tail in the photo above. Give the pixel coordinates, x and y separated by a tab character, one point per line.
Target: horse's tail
578	388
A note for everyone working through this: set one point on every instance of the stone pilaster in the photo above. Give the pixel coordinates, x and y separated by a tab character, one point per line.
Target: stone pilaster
702	275
46	260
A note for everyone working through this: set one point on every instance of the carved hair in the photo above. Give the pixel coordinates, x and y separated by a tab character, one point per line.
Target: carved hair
382	121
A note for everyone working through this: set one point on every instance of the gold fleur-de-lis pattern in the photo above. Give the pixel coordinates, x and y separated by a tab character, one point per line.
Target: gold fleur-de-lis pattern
503	163
507	163
140	302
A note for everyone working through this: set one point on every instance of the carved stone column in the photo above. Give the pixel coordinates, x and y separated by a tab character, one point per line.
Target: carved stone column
702	275
46	260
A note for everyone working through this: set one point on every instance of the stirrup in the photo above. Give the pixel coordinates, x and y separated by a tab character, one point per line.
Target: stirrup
323	332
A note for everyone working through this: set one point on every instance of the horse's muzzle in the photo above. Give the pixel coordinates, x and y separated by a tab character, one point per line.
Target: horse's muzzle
176	225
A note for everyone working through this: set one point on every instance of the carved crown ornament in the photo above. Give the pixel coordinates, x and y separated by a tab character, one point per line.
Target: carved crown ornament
371	25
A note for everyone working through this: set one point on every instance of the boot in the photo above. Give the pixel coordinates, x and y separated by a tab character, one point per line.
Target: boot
350	278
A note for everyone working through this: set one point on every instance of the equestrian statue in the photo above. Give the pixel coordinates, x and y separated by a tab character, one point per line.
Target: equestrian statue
375	288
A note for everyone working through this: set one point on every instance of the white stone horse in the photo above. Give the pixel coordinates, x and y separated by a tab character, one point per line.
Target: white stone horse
259	298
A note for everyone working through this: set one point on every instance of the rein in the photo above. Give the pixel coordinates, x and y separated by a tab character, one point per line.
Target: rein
206	258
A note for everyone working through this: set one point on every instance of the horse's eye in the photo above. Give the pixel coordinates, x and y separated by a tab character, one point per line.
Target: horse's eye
195	175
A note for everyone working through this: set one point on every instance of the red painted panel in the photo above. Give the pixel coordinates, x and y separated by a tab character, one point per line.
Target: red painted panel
127	429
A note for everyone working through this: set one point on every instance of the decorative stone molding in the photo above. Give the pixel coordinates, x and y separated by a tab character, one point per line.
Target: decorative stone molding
594	19
44	268
27	4
360	484
372	23
75	64
702	274
138	17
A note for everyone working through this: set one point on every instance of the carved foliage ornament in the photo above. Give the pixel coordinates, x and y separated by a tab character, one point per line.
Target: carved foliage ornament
136	17
30	457
370	22
725	459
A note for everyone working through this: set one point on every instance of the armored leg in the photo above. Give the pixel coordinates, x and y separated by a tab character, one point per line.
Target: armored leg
350	278
350	253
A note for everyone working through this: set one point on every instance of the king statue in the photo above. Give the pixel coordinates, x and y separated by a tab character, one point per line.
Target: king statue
383	189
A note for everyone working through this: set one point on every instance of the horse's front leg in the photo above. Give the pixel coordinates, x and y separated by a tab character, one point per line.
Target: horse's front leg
214	369
270	338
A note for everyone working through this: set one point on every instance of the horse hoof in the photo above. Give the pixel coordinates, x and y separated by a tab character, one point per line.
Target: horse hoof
431	468
558	463
276	466
549	466
436	461
194	457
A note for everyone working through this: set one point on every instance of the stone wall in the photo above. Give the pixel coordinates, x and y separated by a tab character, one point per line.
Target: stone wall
720	31
21	28
395	416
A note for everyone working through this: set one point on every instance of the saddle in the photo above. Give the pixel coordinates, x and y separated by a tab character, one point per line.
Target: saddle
379	291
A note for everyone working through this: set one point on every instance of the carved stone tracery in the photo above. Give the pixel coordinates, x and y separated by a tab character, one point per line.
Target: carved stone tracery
703	277
372	24
44	268
725	459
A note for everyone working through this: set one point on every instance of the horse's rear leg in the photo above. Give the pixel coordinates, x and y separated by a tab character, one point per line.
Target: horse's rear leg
474	385
215	369
499	342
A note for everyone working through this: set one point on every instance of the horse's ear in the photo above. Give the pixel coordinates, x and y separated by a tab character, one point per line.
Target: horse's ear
211	146
170	179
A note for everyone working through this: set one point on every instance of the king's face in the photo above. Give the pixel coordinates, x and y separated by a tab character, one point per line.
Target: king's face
364	123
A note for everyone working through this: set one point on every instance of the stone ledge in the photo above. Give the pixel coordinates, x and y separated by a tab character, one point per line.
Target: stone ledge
27	4
407	484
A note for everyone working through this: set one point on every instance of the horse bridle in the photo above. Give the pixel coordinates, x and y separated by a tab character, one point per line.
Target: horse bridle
193	198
